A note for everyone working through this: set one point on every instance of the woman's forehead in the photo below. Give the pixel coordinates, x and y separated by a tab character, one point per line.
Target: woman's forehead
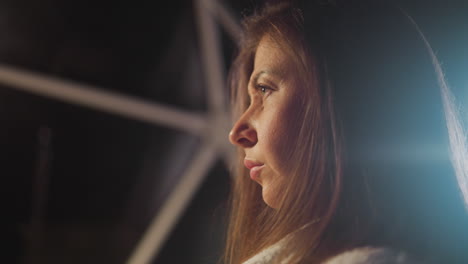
271	58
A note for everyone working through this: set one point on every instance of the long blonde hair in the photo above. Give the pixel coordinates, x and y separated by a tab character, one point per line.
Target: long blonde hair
253	225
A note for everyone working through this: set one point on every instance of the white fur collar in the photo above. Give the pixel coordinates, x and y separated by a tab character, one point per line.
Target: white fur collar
362	255
370	255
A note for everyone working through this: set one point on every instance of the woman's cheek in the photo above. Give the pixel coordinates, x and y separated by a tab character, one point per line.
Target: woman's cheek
288	133
279	144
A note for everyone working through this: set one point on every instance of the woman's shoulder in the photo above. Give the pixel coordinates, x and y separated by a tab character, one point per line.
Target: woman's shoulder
371	255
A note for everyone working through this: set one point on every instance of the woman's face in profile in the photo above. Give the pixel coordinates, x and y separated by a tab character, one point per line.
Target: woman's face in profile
266	131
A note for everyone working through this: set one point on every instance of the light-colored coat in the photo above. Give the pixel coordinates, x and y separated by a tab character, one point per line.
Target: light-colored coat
362	255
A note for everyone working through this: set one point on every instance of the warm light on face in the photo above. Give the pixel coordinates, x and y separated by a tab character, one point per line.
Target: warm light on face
265	129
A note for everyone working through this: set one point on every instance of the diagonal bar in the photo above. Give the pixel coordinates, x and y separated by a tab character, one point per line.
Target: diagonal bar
225	18
212	61
92	97
166	219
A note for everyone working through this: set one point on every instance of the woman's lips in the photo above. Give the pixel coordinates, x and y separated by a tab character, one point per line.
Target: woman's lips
255	171
254	167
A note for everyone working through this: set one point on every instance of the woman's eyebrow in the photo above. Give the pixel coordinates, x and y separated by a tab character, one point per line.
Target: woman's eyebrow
257	76
265	72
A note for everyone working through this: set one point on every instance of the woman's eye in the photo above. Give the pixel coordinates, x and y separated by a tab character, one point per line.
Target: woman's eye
263	88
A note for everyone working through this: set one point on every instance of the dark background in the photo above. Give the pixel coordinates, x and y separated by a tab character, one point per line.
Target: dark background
109	175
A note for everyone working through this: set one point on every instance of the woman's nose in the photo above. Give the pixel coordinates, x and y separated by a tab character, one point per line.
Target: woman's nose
243	134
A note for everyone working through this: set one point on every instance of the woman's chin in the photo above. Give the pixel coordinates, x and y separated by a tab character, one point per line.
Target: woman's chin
269	198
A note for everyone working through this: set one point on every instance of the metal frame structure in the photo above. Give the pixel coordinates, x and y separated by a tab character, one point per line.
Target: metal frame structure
211	126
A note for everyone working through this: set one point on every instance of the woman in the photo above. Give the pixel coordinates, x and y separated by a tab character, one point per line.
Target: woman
342	140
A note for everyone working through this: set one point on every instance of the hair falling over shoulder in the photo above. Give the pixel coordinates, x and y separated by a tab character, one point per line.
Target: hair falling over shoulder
253	225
